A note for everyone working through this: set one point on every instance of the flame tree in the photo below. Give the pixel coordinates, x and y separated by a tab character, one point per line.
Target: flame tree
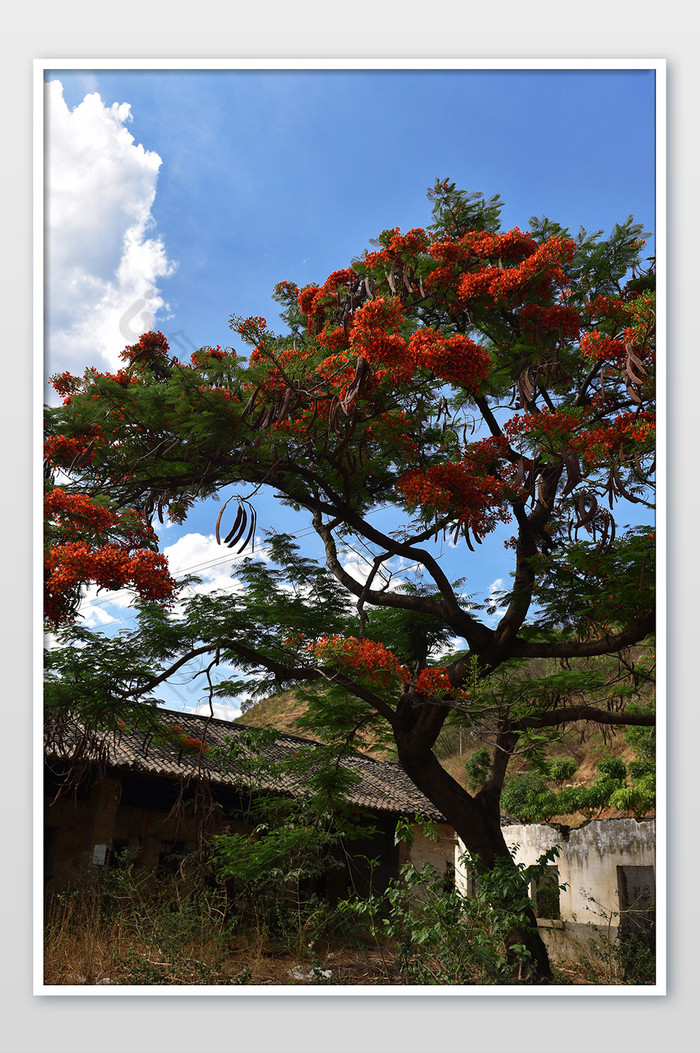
456	386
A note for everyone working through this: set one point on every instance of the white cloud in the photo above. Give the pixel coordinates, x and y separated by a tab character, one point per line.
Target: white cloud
102	267
221	711
102	607
359	567
201	554
194	553
497	590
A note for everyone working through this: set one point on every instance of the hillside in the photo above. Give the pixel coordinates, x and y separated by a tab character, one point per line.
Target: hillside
583	743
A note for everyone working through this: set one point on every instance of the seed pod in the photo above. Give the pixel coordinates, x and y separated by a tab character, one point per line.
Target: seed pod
237	528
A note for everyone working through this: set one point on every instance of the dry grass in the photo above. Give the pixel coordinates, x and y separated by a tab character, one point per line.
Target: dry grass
89	942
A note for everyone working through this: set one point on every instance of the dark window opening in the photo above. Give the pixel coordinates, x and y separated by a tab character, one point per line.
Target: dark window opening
637	893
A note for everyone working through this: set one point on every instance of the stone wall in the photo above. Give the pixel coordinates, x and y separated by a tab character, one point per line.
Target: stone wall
600	864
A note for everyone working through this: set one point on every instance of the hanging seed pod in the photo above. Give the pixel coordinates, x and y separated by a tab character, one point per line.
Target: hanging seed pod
285	405
237	528
645	475
357	384
635	366
621	488
632	392
573	473
250	403
519	474
586	514
80	460
250	535
525	388
218	520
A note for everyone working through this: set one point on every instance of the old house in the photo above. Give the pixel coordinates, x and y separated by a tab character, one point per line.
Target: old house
155	798
602	882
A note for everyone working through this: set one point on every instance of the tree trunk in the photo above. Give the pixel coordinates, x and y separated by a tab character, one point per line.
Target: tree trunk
476	821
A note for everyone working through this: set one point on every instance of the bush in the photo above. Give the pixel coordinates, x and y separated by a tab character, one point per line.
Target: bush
560	770
528	798
443	937
612	767
477	768
269	871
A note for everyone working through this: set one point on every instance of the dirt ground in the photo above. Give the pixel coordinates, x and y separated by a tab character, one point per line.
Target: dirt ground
255	968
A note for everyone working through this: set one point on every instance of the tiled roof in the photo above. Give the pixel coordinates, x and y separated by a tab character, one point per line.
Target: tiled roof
382	786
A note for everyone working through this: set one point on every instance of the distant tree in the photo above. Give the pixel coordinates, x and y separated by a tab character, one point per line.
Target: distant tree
448	382
560	770
528	798
477	768
613	767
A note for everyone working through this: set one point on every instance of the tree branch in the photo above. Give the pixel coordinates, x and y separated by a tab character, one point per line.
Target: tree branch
571	714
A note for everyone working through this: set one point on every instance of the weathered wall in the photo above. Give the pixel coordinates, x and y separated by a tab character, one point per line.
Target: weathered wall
136	813
588	863
438	853
76	825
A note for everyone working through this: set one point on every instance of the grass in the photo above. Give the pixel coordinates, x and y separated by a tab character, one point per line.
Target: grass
131	928
182	941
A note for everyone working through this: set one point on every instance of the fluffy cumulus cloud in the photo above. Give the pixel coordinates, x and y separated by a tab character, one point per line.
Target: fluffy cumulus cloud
193	553
103	263
221	711
201	554
359	567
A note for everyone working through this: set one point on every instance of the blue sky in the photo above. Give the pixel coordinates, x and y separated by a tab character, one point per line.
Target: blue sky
176	198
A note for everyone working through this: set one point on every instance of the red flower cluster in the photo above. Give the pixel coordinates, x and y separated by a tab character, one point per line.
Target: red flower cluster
557	320
72	564
313	298
632	430
456	358
93	543
603	348
286	290
252	329
77	513
535	276
152	347
375	333
205	355
62	451
366	657
475	247
398	247
436	682
179	737
602	307
468	489
550	422
381	667
65	385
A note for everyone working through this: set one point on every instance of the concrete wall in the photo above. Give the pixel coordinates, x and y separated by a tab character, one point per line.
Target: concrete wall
588	864
439	854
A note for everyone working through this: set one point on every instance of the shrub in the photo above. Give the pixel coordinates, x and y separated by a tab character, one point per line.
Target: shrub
613	767
444	937
528	798
477	768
